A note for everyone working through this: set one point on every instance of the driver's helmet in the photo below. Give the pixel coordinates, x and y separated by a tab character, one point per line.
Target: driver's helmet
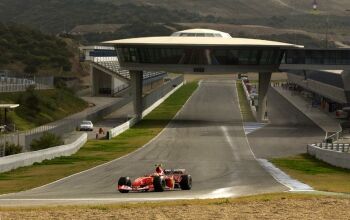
159	169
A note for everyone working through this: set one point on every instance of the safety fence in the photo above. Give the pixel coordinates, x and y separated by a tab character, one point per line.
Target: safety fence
14	84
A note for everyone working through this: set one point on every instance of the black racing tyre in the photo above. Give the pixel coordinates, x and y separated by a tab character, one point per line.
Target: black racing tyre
124	181
186	182
159	184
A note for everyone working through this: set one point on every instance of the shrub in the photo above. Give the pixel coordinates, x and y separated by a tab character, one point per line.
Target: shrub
30	101
10	149
47	140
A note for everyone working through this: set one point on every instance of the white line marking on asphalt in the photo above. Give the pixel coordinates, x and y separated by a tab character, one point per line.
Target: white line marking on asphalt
229	141
250	127
277	174
283	178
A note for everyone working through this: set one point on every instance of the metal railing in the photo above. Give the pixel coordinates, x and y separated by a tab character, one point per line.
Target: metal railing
333	137
344	148
14	84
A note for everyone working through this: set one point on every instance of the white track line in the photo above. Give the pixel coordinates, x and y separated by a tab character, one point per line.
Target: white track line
277	174
283	178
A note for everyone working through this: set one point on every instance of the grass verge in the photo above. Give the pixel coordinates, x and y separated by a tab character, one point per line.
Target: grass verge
269	206
96	152
319	175
243	102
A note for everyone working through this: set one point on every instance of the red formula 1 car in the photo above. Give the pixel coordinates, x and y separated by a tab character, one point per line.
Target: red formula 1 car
168	179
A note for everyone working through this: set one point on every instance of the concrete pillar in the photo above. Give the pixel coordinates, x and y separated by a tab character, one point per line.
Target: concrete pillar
92	81
346	82
136	88
264	83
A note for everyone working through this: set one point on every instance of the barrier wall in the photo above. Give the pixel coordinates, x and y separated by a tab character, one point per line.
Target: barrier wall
29	158
333	157
252	108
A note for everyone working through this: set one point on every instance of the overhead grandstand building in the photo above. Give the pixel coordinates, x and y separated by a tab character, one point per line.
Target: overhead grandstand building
210	51
107	77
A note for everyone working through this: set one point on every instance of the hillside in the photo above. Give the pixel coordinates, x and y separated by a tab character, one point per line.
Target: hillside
63	15
244	8
29	50
57	16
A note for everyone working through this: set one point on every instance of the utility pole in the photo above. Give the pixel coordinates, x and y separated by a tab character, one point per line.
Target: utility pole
327	30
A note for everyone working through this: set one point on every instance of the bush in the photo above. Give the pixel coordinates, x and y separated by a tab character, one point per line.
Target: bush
30	101
47	140
11	149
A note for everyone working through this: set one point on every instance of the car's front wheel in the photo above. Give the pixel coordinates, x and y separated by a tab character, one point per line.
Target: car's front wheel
124	181
159	184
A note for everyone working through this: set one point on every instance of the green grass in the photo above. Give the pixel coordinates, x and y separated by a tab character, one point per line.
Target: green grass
243	102
53	105
319	175
96	152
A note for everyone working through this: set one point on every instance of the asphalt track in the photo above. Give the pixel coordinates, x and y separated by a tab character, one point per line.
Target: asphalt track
206	138
288	132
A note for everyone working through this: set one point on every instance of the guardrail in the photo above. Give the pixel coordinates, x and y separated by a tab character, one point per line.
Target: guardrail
252	107
335	154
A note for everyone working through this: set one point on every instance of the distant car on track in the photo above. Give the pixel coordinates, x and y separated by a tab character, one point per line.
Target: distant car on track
86	126
161	180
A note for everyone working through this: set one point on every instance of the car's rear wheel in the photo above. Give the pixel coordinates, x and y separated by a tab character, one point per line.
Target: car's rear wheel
124	181
186	182
159	184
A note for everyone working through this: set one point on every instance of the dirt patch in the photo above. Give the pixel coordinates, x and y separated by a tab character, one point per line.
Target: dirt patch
264	207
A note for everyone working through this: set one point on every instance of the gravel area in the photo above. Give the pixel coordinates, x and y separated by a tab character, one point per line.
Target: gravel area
280	207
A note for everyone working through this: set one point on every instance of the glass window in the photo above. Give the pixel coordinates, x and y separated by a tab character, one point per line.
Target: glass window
233	57
244	56
265	57
253	59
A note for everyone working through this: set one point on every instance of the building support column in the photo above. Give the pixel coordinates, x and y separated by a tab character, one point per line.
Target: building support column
92	81
264	84
136	89
346	81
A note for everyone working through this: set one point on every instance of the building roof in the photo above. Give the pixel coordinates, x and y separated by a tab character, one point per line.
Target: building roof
96	48
199	41
206	32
